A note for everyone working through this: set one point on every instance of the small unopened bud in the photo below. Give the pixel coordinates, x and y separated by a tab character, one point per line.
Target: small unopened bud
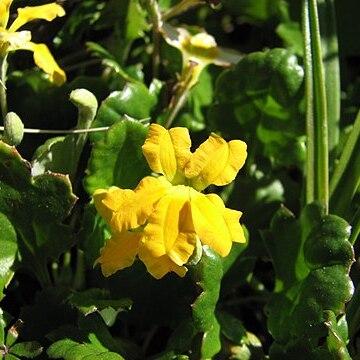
13	129
87	104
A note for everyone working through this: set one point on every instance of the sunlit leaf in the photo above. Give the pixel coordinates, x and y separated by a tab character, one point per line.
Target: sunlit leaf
117	159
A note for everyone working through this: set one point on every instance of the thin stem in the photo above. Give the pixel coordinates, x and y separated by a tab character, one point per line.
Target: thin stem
155	15
74	131
355	222
48	131
330	49
346	155
321	120
181	7
317	163
353	314
3	77
180	97
309	94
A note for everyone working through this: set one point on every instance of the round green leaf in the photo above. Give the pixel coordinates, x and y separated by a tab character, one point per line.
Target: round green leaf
117	159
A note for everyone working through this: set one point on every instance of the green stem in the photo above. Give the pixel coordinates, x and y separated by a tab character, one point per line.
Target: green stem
309	95
79	277
155	15
332	70
3	76
353	314
181	95
355	223
181	7
348	186
317	100
41	273
347	152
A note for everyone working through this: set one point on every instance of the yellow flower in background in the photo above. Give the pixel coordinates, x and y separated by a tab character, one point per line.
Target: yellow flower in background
11	39
198	50
164	218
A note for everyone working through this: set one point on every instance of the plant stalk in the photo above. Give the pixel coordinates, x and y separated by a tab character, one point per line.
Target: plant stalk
3	77
317	120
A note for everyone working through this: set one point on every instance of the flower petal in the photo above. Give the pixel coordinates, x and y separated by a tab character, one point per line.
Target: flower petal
106	201
226	57
119	252
5	12
170	230
45	61
167	151
231	218
180	138
209	223
45	12
216	162
159	267
14	41
126	209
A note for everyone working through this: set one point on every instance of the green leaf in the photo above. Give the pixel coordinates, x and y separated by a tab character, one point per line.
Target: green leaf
92	300
28	349
337	337
36	206
84	15
70	350
128	21
13	333
62	154
290	33
193	114
254	12
94	230
135	101
231	327
11	357
261	100
9	248
2	327
117	159
207	274
312	258
48	312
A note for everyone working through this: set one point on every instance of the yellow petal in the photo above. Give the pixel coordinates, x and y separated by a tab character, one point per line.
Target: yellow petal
44	12
203	41
170	230
167	151
119	252
215	162
45	61
209	223
15	41
180	138
106	202
159	151
4	12
159	267
231	217
126	209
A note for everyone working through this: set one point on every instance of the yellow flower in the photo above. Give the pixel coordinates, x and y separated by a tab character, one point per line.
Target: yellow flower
12	40
164	217
198	50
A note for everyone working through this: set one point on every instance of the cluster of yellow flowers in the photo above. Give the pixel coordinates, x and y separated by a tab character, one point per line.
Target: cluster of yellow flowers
11	39
166	217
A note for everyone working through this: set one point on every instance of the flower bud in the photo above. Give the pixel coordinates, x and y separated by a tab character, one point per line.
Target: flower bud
13	129
86	103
